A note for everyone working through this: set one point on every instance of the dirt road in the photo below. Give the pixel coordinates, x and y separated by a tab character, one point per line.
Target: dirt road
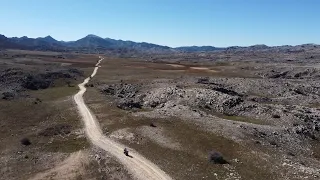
138	166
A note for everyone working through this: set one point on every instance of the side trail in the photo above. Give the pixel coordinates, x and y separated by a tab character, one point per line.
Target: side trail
140	167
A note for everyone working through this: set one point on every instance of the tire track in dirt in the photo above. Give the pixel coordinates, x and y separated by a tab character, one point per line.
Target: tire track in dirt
138	166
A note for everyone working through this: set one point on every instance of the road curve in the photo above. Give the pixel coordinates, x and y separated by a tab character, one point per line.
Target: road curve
138	166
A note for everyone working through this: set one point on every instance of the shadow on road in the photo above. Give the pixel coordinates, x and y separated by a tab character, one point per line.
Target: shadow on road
130	156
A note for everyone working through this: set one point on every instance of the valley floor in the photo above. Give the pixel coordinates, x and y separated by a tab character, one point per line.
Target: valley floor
194	120
178	114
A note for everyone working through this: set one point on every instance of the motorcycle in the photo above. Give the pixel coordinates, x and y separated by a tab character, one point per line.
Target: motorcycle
126	152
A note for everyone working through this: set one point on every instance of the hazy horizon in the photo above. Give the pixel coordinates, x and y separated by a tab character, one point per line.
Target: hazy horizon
219	23
160	44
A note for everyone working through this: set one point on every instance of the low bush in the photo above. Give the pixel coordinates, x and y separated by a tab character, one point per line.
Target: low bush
25	141
217	158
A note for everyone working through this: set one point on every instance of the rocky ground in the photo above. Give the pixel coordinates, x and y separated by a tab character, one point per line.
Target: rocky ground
216	115
16	80
20	72
276	110
41	135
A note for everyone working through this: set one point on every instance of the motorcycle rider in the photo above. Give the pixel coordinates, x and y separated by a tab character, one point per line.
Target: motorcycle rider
126	152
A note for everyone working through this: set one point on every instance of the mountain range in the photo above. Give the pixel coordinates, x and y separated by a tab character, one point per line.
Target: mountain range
90	42
96	43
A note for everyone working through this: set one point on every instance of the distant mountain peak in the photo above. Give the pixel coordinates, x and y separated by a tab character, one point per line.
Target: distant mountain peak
49	38
259	45
93	36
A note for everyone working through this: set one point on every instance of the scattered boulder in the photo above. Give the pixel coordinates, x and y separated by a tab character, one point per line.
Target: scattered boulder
203	80
291	154
122	90
226	91
232	102
260	99
37	101
8	95
25	141
273	143
276	116
35	82
153	125
45	80
299	91
306	131
217	158
279	75
129	104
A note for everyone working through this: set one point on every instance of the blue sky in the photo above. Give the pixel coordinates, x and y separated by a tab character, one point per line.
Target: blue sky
167	22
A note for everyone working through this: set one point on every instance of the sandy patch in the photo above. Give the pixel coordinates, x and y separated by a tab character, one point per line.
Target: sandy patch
176	65
203	69
124	134
214	71
199	68
70	168
172	70
65	64
158	135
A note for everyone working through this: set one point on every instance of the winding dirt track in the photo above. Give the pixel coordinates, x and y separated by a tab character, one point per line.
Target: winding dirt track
138	166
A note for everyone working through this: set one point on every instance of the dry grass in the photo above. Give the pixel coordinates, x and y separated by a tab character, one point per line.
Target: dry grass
48	53
66	145
54	93
26	117
192	161
132	70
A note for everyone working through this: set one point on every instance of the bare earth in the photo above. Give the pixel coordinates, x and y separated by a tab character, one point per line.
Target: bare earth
67	169
138	166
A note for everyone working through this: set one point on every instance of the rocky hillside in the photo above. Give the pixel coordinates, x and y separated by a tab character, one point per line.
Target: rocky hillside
14	81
